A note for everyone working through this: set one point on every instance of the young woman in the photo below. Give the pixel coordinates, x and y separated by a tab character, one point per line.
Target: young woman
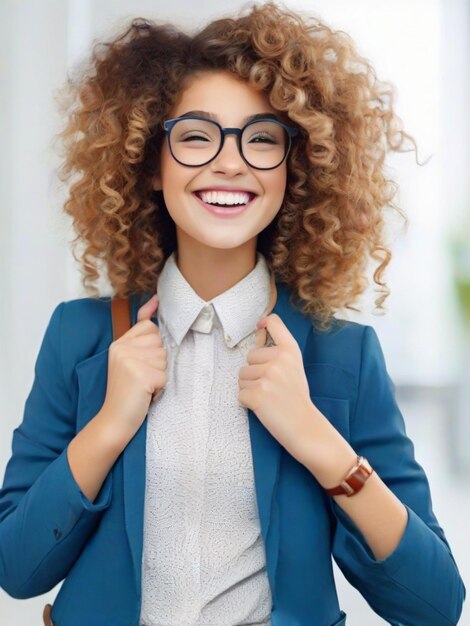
203	467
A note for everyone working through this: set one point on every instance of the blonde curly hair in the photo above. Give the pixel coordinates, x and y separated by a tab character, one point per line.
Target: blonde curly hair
332	216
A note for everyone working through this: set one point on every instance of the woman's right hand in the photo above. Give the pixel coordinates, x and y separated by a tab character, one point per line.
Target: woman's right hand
137	363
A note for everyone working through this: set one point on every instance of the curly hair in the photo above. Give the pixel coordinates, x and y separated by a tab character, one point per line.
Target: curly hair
332	216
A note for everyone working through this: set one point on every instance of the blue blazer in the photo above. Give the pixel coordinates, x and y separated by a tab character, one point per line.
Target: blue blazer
50	531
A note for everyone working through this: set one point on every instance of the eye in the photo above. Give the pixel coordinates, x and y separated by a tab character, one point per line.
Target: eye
190	137
264	137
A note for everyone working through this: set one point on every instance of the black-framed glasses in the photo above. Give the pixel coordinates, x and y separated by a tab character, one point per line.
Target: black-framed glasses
194	141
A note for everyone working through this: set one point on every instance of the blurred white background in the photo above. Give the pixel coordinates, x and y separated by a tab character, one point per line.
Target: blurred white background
422	47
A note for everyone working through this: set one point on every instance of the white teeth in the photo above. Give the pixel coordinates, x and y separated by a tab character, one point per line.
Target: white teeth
224	197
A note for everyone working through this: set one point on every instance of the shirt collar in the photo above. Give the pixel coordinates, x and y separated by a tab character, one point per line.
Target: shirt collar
238	309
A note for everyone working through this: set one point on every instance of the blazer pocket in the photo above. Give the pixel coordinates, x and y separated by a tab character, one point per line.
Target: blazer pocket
336	410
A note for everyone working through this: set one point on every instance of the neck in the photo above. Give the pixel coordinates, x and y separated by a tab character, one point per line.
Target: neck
211	271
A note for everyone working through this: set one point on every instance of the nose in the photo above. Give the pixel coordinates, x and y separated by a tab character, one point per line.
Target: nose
229	158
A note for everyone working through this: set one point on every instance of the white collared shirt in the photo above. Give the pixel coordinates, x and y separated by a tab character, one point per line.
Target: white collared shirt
204	560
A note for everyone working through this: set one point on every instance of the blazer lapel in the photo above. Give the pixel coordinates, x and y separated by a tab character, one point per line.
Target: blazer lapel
266	453
134	481
266	450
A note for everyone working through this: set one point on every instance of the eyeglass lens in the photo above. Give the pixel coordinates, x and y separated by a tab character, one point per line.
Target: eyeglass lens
195	142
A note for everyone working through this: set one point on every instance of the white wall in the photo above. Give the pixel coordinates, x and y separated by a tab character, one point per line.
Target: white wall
409	44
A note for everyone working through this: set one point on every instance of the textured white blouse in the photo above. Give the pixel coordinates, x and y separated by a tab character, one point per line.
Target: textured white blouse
204	561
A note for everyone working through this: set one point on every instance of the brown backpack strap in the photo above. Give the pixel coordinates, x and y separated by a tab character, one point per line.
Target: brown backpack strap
121	316
46	615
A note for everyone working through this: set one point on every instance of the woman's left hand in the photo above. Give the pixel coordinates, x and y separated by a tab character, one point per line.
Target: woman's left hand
274	386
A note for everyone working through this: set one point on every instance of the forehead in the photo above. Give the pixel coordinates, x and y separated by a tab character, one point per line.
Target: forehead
226	96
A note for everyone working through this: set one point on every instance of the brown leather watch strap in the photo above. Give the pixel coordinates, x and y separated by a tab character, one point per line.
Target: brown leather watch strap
121	316
354	480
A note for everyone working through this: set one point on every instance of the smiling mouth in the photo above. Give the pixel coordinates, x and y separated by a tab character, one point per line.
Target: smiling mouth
251	196
225	209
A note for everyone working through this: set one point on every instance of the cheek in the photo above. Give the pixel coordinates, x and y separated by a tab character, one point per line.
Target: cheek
276	182
169	168
277	192
174	181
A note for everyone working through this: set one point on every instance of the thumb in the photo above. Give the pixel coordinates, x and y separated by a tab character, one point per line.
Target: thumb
147	310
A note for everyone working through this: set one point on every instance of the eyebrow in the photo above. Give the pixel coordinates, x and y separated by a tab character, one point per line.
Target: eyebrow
213	116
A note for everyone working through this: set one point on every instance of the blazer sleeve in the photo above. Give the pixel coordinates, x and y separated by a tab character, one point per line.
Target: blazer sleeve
45	519
418	583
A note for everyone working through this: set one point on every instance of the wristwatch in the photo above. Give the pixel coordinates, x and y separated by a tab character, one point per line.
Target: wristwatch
354	480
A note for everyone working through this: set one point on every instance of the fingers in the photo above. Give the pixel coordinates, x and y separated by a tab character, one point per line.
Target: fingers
263	338
152	340
148	309
262	355
144	324
251	372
